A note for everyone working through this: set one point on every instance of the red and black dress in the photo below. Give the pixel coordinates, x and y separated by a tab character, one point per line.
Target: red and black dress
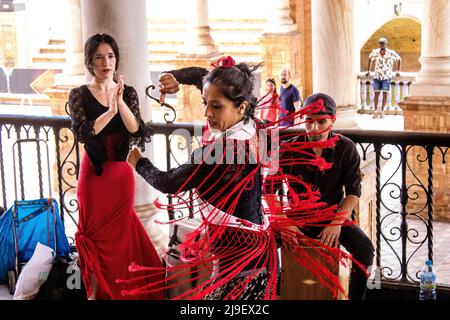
269	108
110	236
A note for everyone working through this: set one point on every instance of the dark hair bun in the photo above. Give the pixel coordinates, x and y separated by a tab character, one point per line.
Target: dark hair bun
244	68
236	84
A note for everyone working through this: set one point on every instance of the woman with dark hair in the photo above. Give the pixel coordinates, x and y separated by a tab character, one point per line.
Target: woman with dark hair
269	105
233	193
105	117
225	175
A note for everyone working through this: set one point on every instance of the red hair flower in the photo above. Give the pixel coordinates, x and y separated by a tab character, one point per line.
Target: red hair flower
224	62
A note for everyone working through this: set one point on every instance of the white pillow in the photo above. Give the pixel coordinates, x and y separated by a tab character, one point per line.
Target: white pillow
34	273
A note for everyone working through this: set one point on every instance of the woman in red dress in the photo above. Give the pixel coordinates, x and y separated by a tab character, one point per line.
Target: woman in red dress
269	105
105	117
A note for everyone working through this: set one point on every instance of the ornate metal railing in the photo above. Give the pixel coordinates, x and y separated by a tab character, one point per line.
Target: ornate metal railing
399	90
405	164
20	166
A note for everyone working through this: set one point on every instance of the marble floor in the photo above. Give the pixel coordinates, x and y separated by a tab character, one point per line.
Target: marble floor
4	293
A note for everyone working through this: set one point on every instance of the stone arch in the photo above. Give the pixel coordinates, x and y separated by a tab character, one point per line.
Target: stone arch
404	36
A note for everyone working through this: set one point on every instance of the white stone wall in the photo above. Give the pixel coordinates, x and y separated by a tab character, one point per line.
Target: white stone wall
218	9
370	15
45	19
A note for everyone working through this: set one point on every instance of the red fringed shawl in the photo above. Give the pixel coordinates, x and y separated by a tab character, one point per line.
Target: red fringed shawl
239	244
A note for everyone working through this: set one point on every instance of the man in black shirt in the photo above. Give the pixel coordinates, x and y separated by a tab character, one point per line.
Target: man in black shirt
344	174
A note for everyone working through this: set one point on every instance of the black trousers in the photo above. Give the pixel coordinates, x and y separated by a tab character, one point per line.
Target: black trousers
359	245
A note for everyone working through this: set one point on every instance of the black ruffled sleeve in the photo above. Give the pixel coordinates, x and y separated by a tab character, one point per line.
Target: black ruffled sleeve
82	127
144	133
168	181
213	182
187	176
190	75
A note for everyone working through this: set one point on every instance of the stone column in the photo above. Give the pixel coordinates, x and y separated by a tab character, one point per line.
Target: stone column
199	50
333	56
73	72
127	24
428	106
281	44
334	74
434	76
301	11
280	20
198	40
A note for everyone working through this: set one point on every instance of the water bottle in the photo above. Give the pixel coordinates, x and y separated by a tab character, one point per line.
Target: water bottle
427	282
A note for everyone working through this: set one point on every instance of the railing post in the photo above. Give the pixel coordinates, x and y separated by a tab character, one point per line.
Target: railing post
39	168
77	153
391	94
363	92
58	163
170	211
430	151
398	87
2	170
403	213
372	97
19	151
377	147
406	87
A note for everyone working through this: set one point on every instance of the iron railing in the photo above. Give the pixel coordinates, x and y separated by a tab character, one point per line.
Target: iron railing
404	196
404	173
56	132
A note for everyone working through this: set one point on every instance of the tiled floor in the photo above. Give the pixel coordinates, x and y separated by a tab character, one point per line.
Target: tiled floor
4	294
418	254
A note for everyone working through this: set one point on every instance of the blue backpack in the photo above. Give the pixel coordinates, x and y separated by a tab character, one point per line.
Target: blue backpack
24	225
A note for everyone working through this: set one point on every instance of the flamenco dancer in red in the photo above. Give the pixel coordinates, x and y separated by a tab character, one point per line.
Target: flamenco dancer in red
269	105
105	117
233	193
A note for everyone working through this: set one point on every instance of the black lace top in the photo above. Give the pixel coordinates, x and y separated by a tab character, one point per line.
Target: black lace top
214	182
85	109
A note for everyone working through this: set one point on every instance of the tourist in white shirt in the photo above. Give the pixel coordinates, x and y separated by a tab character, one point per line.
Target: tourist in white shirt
383	59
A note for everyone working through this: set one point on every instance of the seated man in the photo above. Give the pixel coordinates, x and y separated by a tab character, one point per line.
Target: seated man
344	174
